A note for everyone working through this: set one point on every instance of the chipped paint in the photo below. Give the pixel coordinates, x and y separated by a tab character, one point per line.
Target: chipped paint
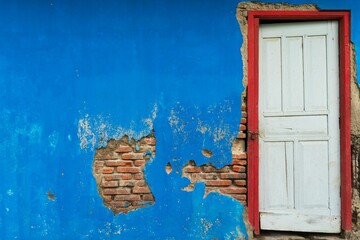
98	71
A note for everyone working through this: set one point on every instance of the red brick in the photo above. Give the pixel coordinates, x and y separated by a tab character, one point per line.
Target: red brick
239	162
127	183
224	169
107	157
107	170
240	182
192	170
242	127
210	176
243	120
241	135
99	163
138	176
150	140
237	168
128	169
141	190
209	169
110	184
244	114
243	107
115	191
115	163
232	175
122	204
132	156
123	149
218	182
131	197
107	198
126	176
239	196
242	155
243	202
111	177
148	197
238	190
140	183
139	163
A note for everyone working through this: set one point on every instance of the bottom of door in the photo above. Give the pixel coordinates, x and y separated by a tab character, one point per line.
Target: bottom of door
300	223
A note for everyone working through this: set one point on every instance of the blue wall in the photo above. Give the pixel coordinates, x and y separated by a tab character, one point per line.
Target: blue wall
74	74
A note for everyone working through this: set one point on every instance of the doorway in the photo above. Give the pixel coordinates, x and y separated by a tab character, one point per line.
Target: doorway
299	121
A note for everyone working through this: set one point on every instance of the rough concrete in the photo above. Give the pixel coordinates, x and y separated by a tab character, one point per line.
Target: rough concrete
355	146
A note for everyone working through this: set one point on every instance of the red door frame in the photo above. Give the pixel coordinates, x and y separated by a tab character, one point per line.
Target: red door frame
254	18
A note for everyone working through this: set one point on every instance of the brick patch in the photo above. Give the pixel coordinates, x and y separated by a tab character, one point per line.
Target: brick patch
119	172
230	180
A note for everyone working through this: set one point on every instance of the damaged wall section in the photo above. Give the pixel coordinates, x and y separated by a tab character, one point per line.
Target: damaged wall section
119	172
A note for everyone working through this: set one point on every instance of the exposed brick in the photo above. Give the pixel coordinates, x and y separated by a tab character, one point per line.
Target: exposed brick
115	191
132	156
99	163
123	149
122	204
116	163
138	176
232	175
243	120
239	196
241	135
148	197
239	162
150	141
140	183
107	198
110	184
128	169
127	183
192	169
224	169
210	176
240	182
139	163
111	177
243	107
237	168
242	155
218	182
234	190
127	197
126	176
107	170
244	114
141	190
242	127
209	169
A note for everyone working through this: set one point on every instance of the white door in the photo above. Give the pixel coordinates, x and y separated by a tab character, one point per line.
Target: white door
299	165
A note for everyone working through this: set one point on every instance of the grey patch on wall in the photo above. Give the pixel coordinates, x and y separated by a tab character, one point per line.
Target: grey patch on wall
355	145
118	169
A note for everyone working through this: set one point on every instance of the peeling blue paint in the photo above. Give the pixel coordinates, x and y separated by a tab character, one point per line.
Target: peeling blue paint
76	73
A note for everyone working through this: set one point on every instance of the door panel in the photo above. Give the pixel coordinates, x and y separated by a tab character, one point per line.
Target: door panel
299	173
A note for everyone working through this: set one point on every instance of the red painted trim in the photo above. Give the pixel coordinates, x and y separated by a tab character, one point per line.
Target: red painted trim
253	146
254	17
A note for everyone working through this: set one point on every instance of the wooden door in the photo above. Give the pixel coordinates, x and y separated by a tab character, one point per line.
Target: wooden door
299	149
